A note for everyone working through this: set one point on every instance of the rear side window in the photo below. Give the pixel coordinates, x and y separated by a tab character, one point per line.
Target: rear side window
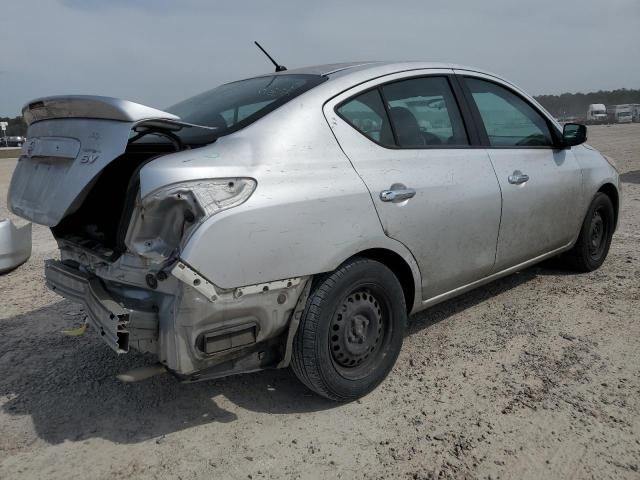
424	112
507	118
366	114
413	113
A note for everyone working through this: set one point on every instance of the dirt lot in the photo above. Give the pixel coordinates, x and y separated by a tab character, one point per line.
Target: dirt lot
9	152
534	376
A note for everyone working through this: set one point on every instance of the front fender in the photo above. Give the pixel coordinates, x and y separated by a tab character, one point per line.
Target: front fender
596	173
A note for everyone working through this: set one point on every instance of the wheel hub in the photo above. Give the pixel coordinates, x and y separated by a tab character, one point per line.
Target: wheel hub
597	231
356	329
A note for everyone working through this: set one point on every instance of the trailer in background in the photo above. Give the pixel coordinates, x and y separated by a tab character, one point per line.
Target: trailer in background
620	113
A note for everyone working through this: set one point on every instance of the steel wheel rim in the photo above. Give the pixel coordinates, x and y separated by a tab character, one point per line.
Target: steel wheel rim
598	233
358	332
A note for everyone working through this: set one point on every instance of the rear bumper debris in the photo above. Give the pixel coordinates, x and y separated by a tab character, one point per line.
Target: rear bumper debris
108	318
195	330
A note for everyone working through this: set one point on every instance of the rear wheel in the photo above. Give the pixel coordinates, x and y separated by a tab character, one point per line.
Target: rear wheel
351	331
594	240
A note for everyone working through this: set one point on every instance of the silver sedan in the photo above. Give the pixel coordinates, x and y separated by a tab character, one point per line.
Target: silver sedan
299	218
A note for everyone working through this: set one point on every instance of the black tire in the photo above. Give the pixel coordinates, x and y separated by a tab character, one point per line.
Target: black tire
594	240
351	331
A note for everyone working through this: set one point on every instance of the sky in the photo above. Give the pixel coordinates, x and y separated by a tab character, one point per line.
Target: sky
158	52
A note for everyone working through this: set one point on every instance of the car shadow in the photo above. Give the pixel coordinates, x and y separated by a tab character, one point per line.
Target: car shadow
68	386
69	389
443	311
631	177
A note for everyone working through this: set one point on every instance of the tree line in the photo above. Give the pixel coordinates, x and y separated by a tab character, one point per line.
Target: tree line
576	104
16	126
563	105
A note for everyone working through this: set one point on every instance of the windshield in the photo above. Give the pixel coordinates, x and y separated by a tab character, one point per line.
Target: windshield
233	106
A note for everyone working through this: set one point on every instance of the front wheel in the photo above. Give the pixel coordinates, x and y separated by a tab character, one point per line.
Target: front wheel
594	240
351	331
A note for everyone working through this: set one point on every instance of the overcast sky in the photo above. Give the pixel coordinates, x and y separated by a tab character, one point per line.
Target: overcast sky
160	51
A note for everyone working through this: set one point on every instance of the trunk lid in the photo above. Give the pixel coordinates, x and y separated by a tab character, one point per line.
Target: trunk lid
69	142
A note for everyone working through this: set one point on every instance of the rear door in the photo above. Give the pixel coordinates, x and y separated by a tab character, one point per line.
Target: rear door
434	190
541	183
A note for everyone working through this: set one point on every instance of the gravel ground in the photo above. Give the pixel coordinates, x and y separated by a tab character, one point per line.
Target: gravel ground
534	376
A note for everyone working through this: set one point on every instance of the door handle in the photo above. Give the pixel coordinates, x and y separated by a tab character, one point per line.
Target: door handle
518	177
397	195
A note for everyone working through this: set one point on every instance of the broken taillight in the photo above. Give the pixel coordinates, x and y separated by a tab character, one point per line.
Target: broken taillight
166	217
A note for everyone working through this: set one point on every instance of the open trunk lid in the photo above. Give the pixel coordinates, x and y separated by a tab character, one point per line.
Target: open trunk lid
69	142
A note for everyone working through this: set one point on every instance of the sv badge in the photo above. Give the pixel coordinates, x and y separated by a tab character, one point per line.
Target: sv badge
89	156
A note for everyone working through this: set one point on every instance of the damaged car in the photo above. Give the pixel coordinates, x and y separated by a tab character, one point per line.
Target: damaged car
299	217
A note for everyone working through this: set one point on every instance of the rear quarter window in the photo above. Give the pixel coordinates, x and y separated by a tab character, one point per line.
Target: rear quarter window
366	113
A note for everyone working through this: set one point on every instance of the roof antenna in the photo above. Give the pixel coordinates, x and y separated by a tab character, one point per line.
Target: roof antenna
279	68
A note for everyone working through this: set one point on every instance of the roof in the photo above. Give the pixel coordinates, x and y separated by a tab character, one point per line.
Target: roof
343	76
339	69
330	68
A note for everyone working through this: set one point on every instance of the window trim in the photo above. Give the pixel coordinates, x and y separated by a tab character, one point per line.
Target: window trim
467	119
482	131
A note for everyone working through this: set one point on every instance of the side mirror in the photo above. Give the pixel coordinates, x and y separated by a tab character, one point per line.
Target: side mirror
574	134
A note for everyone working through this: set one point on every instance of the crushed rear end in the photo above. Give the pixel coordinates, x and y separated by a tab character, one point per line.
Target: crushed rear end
79	174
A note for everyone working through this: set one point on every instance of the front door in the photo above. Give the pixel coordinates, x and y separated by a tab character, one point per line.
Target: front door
541	183
433	190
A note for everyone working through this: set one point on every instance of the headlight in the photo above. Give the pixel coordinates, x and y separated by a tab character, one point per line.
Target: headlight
163	219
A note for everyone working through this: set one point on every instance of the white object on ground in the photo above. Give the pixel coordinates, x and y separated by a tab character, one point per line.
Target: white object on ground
15	245
141	373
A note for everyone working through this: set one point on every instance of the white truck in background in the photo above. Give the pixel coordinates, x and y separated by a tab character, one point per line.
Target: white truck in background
620	113
597	113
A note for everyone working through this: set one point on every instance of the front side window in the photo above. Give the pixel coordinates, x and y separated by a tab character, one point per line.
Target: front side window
366	114
424	112
508	120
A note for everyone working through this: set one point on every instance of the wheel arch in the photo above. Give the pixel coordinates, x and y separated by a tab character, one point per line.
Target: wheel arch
610	190
400	268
